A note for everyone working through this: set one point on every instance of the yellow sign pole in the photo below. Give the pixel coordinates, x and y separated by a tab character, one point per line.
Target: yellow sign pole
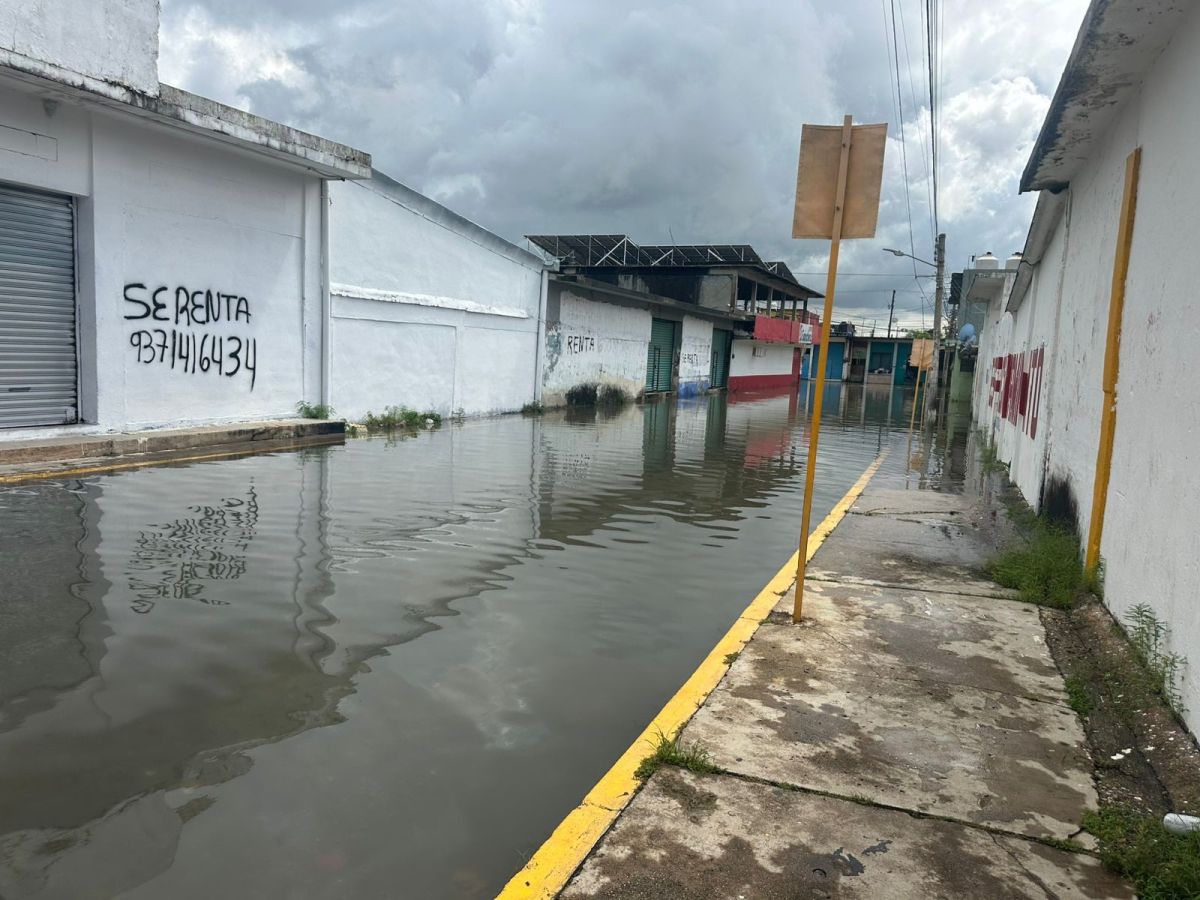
814	432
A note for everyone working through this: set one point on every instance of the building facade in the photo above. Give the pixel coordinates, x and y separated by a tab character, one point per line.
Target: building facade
651	319
1039	378
428	310
161	255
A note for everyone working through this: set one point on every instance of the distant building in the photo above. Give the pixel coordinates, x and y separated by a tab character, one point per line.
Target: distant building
1130	83
656	319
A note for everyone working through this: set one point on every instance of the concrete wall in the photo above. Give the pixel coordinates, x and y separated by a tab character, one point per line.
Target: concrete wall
1150	552
110	41
162	213
695	357
589	340
429	310
773	368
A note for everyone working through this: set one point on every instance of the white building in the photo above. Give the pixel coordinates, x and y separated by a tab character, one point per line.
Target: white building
1130	83
161	255
430	311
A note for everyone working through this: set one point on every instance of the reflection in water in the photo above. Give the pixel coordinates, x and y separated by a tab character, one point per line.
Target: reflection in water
488	614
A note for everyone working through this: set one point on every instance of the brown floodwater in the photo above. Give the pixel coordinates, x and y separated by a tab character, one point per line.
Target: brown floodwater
386	669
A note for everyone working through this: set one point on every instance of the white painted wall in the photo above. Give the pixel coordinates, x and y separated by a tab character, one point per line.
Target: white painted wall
591	341
695	356
112	41
164	209
776	359
1150	550
429	310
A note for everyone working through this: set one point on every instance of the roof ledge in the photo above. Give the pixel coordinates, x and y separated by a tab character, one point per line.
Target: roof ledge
1117	45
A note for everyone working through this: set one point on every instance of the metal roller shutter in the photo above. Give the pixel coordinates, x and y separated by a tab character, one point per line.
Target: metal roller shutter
37	308
660	360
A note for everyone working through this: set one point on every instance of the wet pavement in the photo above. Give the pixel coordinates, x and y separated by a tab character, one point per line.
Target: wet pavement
386	669
903	740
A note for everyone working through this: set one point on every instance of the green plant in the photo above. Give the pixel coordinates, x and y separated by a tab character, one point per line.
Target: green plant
671	752
1046	570
1149	635
351	430
582	395
731	658
1078	697
394	417
612	396
314	410
1161	865
988	456
536	408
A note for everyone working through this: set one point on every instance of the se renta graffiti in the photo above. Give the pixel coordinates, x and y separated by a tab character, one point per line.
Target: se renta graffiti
1015	388
177	330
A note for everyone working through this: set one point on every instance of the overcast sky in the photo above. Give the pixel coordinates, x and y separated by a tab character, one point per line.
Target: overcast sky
665	121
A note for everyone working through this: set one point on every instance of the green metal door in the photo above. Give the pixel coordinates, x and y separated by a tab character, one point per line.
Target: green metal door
660	360
719	374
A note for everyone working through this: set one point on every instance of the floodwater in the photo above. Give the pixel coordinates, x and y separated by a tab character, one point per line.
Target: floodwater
386	669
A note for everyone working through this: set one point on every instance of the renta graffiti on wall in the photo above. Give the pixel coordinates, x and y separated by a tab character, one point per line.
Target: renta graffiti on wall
187	340
1015	387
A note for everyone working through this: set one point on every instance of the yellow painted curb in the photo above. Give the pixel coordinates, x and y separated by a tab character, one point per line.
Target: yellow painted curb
556	860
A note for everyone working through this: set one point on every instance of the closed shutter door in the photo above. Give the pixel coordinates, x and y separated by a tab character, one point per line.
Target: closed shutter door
661	356
721	340
37	308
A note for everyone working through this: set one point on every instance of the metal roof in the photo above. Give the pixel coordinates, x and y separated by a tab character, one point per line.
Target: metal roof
618	250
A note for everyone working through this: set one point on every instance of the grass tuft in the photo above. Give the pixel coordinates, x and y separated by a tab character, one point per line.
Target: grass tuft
1046	570
671	752
1149	636
1161	865
1078	697
394	417
612	397
582	395
314	410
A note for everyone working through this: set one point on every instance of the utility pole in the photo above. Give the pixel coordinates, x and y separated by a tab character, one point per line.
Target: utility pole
934	376
891	313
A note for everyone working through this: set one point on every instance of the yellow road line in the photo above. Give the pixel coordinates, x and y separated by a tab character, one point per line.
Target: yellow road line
103	468
556	860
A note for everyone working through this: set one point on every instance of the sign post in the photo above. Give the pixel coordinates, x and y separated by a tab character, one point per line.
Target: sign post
837	196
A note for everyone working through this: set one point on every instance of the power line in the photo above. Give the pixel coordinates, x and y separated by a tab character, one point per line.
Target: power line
903	138
912	92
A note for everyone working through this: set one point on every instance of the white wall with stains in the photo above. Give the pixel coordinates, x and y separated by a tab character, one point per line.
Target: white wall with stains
170	228
752	360
1150	548
695	356
429	310
590	341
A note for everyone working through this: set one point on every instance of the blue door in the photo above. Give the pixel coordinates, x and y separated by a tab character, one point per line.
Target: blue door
833	371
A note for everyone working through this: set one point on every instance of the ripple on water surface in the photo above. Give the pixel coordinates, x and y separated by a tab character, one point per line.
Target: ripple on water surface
379	670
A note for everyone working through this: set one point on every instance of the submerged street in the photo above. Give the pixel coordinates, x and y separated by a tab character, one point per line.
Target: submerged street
343	670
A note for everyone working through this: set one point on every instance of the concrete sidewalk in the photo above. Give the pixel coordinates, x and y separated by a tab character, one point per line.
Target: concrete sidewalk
911	738
70	449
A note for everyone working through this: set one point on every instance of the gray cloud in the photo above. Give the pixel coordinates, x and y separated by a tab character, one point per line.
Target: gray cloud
657	119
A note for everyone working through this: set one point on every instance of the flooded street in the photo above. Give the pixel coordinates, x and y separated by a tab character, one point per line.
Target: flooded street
380	670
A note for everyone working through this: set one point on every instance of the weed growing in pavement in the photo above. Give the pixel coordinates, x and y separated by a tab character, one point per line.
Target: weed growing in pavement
1078	697
731	658
989	459
394	417
536	408
671	752
314	410
1046	570
1161	865
1149	635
